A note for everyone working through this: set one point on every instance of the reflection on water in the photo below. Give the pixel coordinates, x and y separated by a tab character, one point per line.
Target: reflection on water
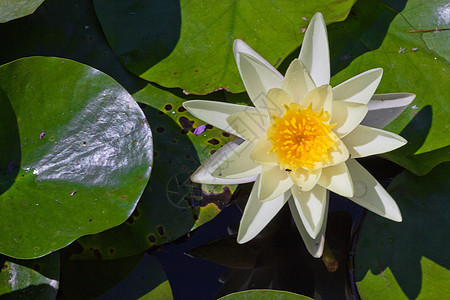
276	259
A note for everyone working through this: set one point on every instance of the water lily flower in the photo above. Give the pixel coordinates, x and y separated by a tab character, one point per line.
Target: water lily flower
301	138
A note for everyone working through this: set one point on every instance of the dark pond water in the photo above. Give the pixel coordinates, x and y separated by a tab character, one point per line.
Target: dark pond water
209	263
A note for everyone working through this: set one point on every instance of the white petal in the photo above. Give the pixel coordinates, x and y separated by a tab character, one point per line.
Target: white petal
258	214
238	164
339	155
260	153
275	99
314	53
203	173
274	182
311	208
305	180
215	112
320	98
314	246
369	193
385	108
360	88
258	75
365	141
297	82
346	116
239	46
250	124
337	179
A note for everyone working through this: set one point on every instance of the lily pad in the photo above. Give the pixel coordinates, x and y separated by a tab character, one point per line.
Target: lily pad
10	10
171	204
264	294
191	47
408	259
80	150
410	56
29	279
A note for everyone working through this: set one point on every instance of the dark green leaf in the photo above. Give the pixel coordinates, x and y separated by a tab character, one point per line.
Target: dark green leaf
64	28
126	278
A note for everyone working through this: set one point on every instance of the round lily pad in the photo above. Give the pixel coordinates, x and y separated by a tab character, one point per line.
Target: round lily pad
76	154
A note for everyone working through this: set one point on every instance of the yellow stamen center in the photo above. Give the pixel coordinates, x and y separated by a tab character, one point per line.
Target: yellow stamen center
301	138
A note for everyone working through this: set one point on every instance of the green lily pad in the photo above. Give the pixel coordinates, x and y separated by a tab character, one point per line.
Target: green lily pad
191	47
80	154
412	63
29	279
171	204
264	294
10	10
408	260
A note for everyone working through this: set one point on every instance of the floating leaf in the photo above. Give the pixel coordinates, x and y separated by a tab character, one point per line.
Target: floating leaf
81	154
10	10
410	65
29	279
408	260
264	294
191	46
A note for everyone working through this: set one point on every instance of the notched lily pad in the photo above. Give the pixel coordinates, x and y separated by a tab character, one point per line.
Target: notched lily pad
81	154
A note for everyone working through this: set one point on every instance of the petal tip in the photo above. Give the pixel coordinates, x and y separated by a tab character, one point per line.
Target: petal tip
318	16
195	177
396	216
241	241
